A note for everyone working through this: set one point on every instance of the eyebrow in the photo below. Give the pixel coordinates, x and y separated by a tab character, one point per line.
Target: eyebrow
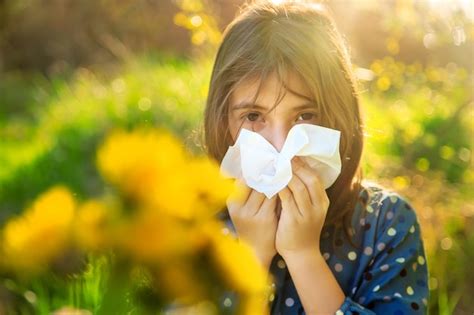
246	105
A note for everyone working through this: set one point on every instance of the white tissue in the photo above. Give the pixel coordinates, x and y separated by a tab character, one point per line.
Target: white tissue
256	161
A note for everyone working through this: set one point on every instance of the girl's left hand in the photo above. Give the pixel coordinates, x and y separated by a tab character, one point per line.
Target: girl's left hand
304	207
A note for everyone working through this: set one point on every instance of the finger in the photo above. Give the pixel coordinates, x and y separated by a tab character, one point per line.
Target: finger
288	202
253	203
311	179
268	206
300	195
240	194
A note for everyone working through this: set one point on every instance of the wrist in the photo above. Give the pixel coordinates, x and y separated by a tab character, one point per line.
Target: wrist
302	255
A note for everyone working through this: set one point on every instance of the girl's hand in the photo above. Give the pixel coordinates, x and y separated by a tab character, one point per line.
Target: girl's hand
304	208
255	220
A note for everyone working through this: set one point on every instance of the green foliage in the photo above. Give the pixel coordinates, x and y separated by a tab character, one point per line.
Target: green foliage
60	141
418	118
422	117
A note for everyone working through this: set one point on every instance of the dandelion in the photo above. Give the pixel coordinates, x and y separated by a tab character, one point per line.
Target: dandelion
152	168
92	226
181	282
237	262
151	237
196	191
34	239
136	162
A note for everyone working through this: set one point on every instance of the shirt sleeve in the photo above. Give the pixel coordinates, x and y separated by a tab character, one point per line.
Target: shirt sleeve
396	279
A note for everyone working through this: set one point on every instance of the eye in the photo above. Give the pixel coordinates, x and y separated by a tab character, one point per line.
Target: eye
307	116
251	116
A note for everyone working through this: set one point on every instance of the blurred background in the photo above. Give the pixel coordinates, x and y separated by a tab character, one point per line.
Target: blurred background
71	70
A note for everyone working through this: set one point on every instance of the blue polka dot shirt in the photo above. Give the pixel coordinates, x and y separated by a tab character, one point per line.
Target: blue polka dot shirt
385	273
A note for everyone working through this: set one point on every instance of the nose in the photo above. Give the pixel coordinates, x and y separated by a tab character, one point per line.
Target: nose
276	135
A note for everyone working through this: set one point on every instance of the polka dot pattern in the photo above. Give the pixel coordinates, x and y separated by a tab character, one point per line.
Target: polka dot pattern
227	302
352	255
391	231
381	246
382	267
368	251
281	264
271	297
421	260
289	302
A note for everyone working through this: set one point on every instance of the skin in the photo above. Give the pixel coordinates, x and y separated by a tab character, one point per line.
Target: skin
291	222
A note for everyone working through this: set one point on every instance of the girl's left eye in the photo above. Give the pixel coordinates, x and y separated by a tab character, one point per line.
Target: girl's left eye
307	116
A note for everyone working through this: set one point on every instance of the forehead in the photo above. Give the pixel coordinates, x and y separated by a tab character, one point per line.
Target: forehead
271	87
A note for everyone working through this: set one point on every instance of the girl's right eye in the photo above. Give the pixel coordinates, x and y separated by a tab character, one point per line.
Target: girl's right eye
251	116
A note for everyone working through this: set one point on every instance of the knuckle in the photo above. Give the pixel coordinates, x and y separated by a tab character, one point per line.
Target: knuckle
313	181
299	186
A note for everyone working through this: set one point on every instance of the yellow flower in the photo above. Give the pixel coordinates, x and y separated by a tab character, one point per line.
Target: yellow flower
38	236
253	305
137	161
151	237
92	226
195	191
211	189
152	168
179	281
236	262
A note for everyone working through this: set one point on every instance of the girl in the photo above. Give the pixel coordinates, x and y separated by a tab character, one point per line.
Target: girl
354	248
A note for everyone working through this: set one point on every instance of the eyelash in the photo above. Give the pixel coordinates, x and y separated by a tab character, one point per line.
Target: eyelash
246	116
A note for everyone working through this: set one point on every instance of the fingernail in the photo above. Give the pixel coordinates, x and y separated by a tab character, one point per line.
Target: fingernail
296	164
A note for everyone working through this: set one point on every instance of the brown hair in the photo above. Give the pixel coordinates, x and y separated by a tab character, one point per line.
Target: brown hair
301	37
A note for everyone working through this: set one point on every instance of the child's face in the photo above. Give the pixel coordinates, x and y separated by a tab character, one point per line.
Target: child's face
274	125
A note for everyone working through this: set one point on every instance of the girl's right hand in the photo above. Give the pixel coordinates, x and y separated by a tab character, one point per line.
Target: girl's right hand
255	220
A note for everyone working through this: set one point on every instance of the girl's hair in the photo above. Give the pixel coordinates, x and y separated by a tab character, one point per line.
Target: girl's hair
301	37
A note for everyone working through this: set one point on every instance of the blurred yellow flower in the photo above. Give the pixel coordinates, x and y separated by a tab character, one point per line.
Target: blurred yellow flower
237	262
253	305
152	167
392	45
92	226
179	281
196	191
383	83
377	67
39	235
151	237
137	161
